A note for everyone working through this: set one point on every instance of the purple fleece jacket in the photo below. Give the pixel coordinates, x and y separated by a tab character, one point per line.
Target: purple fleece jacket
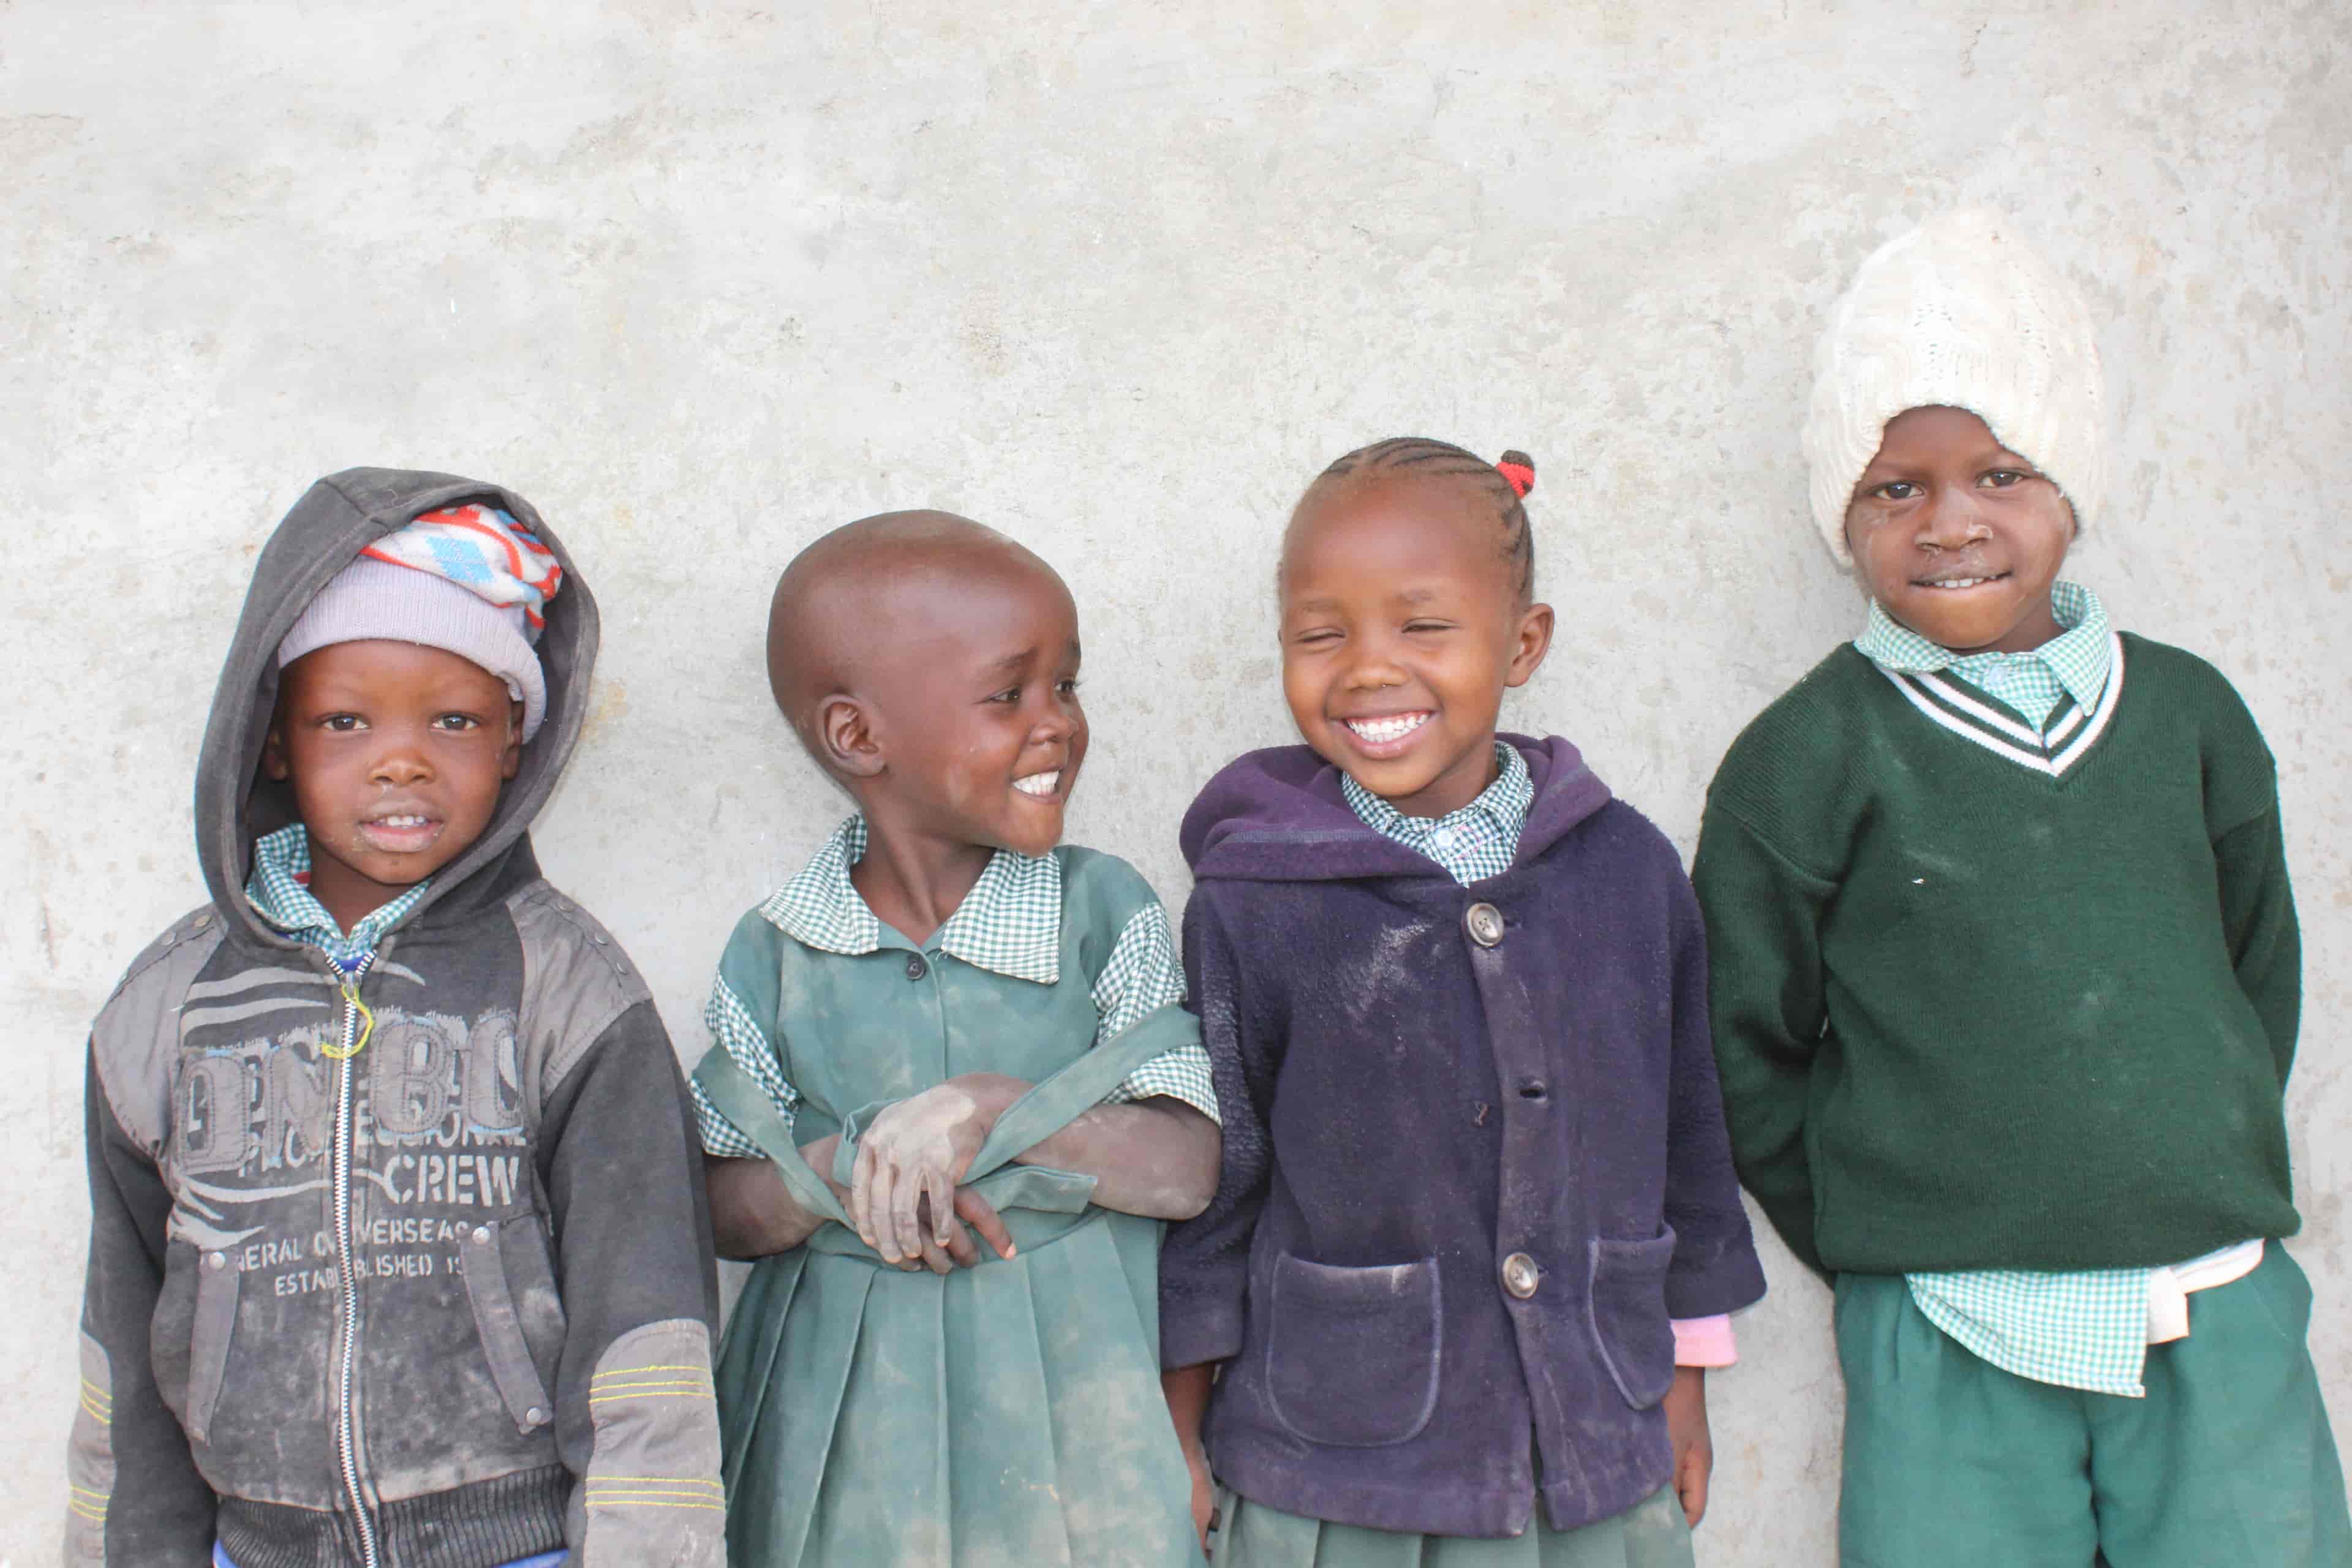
1406	1112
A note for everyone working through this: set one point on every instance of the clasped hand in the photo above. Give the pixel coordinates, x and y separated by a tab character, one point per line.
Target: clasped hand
904	1198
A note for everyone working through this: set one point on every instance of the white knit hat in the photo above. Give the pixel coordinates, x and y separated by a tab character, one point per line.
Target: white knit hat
469	580
1958	313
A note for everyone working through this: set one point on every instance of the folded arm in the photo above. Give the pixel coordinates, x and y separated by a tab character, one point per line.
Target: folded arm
1155	1157
753	1213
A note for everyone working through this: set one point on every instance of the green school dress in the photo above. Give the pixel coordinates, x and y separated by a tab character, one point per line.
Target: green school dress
1009	1413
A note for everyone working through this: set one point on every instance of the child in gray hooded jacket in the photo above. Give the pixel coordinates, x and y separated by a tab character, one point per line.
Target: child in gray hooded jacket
399	1253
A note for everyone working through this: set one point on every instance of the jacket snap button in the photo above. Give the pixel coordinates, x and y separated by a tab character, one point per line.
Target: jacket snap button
481	1236
1484	924
215	1260
534	1416
916	967
202	921
1520	1274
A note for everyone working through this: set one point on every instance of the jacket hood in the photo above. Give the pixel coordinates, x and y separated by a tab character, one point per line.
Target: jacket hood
335	520
1278	815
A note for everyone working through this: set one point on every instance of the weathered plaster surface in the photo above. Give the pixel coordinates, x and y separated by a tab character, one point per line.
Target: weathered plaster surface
706	278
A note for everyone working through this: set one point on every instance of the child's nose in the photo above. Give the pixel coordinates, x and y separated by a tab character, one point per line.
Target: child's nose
402	762
1374	665
1954	520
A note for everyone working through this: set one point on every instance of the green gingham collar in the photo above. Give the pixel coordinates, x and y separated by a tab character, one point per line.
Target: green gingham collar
2079	656
1010	923
1494	820
279	892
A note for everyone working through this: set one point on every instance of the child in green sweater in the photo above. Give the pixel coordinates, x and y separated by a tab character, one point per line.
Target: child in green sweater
2005	978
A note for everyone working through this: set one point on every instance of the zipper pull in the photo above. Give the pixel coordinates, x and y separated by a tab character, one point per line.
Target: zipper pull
359	1023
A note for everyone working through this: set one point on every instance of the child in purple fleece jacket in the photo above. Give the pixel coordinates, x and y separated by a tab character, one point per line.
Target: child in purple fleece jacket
1476	1230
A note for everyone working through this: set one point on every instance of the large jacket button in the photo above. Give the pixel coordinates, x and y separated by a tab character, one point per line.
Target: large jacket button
1484	924
1520	1274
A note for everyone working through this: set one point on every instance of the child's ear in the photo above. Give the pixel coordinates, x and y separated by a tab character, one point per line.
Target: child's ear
846	737
1534	642
512	761
273	751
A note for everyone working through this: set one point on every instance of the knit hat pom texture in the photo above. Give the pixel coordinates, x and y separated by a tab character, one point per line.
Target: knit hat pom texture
1960	312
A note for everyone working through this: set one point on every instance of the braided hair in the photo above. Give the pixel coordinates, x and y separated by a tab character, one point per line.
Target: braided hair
1504	483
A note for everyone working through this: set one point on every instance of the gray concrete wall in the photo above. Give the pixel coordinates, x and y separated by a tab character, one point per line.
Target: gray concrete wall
703	280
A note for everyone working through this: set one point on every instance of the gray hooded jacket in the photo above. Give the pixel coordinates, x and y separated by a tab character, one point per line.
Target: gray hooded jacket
443	1304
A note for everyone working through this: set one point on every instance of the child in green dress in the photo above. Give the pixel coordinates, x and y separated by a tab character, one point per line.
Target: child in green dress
949	1019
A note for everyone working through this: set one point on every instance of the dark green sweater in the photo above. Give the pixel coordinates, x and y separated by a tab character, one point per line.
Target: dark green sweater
1970	1016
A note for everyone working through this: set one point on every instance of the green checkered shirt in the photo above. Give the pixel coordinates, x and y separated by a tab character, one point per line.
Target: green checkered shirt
1010	923
2073	664
1478	841
2085	1329
279	892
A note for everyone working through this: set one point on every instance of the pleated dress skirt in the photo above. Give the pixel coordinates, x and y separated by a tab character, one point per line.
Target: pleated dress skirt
1008	1415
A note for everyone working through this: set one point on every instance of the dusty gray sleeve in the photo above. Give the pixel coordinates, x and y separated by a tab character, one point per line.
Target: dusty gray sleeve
619	1163
122	1432
635	1418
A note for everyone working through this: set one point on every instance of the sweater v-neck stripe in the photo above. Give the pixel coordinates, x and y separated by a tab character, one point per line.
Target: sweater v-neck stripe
1978	706
1970	714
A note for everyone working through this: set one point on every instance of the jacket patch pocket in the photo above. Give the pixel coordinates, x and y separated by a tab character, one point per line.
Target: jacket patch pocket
1629	1315
189	1335
503	1293
1351	1354
218	1282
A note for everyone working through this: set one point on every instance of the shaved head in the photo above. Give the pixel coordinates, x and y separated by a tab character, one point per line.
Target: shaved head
844	608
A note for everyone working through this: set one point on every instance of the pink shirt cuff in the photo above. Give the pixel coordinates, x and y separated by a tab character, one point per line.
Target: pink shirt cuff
1704	1341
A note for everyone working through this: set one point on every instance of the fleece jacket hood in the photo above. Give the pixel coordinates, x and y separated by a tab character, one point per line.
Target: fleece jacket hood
335	520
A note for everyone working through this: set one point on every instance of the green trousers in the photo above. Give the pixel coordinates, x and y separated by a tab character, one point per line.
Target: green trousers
2227	1460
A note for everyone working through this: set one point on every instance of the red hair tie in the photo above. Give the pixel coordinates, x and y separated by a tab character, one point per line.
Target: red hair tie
1519	476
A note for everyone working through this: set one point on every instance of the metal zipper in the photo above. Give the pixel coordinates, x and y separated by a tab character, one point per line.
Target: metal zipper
346	1428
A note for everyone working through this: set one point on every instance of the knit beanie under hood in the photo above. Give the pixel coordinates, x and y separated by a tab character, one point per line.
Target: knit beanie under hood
470	580
1960	312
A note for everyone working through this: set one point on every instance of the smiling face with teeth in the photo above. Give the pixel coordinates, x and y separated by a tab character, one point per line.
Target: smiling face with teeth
1402	624
395	755
1958	537
979	710
929	664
